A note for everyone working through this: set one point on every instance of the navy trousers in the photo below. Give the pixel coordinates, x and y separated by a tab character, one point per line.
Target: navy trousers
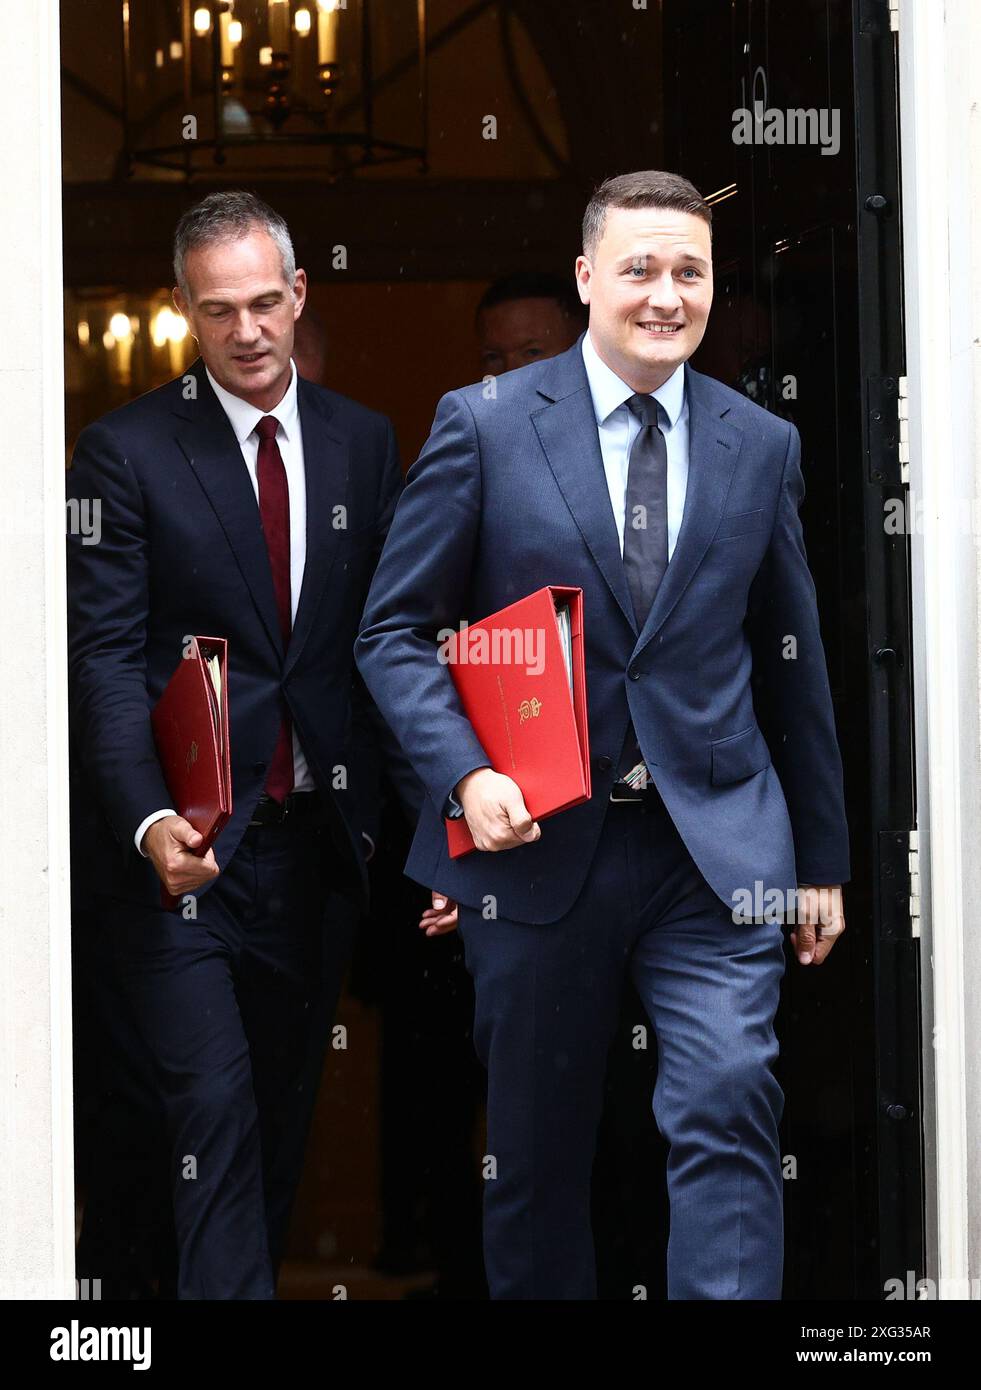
231	1008
547	1001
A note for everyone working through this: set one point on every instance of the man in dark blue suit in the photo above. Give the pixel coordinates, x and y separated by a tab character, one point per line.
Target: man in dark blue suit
672	502
243	502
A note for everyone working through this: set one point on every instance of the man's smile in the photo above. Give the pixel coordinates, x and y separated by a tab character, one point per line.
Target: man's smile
657	329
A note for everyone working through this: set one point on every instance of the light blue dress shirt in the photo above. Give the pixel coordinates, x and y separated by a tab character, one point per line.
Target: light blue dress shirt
618	427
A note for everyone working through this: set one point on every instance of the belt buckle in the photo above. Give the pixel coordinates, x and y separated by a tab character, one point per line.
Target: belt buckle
261	818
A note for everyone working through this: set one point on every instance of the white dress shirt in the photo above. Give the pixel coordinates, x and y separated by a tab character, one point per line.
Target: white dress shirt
243	419
618	427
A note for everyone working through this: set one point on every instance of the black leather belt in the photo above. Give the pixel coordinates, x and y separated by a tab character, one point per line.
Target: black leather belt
297	808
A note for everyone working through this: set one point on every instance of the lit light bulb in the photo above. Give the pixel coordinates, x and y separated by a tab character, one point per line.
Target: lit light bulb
235	33
83	332
202	21
119	326
301	21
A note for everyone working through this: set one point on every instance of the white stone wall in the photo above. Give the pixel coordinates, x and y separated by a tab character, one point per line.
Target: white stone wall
940	107
36	1198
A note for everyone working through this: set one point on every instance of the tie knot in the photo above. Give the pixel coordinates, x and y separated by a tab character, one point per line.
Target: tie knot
645	408
267	427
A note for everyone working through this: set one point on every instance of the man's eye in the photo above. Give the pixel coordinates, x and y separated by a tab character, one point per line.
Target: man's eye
690	270
532	353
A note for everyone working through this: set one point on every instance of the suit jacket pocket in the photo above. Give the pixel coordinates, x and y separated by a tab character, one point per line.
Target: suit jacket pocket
739	524
739	756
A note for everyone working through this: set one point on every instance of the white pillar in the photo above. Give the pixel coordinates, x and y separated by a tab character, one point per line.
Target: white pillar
940	127
36	1177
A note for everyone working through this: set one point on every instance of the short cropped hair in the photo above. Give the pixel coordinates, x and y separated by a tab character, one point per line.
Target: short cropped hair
533	284
227	216
648	188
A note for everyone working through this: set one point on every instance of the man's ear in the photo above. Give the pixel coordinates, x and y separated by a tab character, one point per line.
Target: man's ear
299	293
584	272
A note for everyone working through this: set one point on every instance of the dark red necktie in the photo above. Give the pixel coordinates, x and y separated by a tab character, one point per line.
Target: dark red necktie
274	508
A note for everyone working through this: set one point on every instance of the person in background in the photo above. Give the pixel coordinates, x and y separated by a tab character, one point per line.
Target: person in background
310	346
525	317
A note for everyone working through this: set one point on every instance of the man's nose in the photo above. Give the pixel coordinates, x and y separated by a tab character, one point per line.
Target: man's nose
664	294
247	328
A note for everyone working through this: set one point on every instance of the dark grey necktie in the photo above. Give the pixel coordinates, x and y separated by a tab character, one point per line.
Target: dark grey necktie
645	530
645	522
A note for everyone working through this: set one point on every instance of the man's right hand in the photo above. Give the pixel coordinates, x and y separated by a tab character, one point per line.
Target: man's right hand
170	844
495	810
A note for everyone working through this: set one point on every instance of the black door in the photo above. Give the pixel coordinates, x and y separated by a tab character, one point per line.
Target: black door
808	321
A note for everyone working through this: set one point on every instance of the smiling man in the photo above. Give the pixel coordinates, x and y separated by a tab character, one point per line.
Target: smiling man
672	502
243	502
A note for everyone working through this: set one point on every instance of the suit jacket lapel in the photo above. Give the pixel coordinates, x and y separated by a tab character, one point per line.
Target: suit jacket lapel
713	447
567	431
209	444
326	468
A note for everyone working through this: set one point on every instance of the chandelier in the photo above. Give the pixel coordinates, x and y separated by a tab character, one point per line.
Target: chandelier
273	86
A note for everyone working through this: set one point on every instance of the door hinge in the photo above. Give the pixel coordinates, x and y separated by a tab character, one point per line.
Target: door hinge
902	410
894	16
914	883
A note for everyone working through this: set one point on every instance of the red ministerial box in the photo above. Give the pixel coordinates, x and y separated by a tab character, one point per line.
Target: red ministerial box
514	683
190	727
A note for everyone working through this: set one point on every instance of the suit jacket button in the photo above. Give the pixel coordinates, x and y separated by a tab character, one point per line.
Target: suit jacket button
634	674
258	768
604	763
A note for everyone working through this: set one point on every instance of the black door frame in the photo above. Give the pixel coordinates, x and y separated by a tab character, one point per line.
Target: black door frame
902	1236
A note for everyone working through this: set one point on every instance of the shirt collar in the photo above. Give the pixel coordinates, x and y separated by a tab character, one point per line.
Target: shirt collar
609	392
244	417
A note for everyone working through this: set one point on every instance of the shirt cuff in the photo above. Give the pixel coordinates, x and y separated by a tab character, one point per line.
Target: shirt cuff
452	810
144	826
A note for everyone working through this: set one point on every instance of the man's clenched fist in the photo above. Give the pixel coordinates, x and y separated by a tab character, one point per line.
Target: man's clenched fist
495	810
170	843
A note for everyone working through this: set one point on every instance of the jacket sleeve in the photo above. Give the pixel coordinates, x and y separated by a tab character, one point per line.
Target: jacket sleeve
108	602
420	587
374	747
791	691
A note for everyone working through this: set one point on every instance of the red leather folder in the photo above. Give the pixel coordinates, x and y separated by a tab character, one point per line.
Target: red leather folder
190	726
514	684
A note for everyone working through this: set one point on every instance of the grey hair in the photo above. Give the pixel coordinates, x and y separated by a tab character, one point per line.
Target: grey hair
227	216
647	188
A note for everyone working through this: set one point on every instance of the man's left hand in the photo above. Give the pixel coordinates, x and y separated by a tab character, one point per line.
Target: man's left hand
441	918
820	921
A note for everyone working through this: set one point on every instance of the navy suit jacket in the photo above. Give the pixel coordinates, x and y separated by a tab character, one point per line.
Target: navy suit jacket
508	495
181	552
